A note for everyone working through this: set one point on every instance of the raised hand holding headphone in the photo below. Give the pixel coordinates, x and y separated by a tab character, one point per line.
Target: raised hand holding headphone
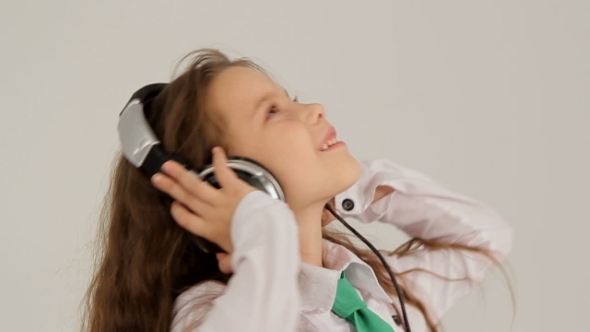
199	207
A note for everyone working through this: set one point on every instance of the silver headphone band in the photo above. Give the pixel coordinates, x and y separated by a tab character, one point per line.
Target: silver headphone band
135	133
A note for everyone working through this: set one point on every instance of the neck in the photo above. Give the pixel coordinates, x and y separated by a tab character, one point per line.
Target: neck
310	234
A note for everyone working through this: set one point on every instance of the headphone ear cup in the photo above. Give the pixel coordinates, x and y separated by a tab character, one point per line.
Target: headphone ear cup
250	172
249	178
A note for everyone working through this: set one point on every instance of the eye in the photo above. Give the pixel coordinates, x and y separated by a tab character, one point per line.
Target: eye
273	110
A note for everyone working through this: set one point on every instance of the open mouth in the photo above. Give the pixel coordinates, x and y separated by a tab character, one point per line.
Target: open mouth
329	143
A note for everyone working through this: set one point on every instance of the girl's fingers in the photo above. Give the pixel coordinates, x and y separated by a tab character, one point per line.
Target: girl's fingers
224	261
189	182
188	220
172	188
195	203
327	216
224	175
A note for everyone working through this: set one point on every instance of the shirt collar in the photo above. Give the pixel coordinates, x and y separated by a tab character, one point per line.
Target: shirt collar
318	284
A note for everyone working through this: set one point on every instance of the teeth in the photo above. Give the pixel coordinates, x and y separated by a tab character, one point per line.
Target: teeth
329	143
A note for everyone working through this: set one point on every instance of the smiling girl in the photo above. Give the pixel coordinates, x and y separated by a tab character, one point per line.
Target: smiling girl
282	269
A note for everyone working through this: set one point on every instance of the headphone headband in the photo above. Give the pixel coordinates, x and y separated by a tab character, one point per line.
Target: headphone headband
149	91
139	143
146	94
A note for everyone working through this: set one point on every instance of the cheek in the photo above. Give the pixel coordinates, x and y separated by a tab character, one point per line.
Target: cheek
283	149
304	173
288	142
290	154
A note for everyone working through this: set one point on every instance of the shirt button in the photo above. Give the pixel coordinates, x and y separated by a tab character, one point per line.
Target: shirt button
347	204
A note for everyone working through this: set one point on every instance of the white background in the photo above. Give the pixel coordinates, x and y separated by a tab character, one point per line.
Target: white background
490	98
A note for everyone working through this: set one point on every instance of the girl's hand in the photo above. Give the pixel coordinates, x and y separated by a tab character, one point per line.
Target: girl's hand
199	207
224	261
327	217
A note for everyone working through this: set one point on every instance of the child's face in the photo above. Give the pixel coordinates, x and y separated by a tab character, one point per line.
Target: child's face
264	124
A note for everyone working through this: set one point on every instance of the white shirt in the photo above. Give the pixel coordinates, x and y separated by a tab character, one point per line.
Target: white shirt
272	290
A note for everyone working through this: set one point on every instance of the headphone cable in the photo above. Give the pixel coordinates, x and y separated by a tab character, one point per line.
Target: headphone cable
391	275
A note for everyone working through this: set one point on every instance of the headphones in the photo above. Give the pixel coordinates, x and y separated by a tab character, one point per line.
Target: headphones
143	149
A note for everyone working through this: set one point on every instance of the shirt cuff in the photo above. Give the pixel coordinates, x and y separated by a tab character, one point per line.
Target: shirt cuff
357	200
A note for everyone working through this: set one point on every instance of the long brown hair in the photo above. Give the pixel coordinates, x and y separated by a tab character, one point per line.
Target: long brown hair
146	260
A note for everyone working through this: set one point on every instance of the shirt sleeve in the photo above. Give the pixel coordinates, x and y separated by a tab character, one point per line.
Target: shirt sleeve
425	209
263	294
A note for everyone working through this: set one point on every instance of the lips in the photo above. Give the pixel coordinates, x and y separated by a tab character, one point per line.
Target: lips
329	139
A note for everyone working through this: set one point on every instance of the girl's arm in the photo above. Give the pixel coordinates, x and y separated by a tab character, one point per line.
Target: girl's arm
263	293
426	210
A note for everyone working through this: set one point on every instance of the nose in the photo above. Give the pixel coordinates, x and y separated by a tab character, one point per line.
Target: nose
315	113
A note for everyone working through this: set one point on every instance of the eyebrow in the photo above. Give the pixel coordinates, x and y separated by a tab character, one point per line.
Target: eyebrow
261	101
286	93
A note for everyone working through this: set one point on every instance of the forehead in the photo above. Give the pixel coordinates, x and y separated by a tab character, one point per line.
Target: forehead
237	90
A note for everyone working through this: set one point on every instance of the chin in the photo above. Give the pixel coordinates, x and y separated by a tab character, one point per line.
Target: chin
349	173
341	175
320	182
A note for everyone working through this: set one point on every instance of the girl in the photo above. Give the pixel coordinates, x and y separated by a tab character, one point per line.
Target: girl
283	269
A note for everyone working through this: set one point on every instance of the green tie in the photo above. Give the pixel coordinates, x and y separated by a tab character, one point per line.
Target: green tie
350	306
